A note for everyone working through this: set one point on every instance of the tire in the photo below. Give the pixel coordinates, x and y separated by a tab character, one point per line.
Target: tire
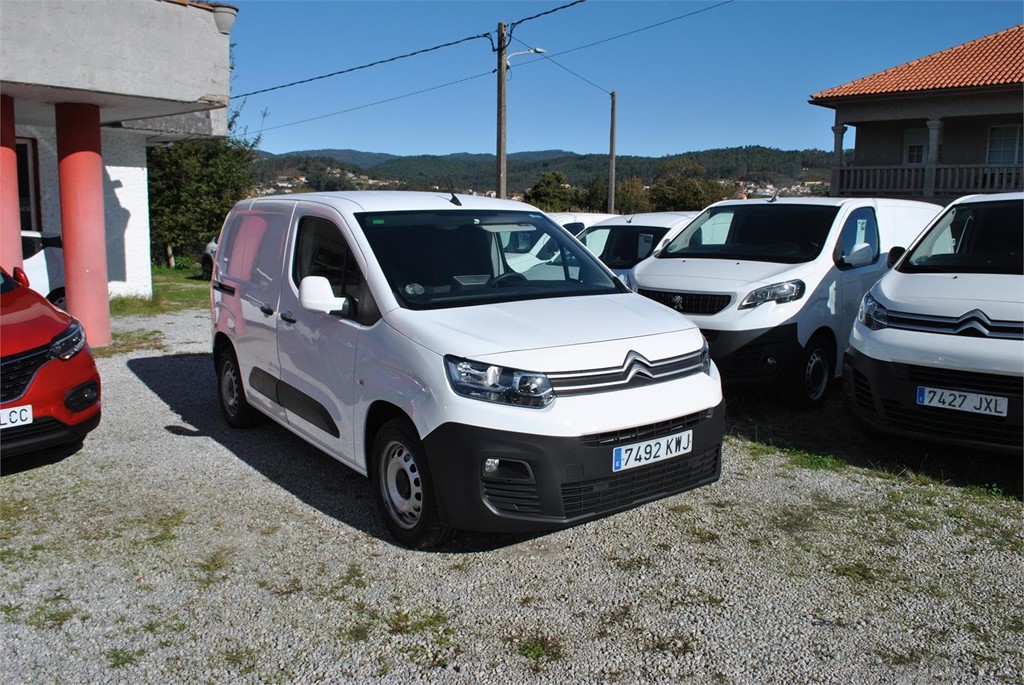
58	298
403	488
236	409
812	375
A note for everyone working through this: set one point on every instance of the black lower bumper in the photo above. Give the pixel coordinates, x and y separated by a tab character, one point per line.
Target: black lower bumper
754	357
44	433
883	396
550	482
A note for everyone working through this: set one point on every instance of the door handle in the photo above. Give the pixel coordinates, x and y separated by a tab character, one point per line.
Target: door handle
266	309
287	318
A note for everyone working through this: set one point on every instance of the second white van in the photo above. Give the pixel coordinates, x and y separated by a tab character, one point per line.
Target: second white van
774	285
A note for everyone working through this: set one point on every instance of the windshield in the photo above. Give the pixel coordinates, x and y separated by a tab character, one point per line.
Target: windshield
7	284
457	258
622	247
978	237
784	233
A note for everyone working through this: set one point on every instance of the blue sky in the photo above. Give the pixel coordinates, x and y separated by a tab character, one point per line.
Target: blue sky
738	73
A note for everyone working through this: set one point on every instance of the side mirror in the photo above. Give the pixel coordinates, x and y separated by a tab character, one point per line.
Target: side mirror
316	295
894	256
20	277
862	254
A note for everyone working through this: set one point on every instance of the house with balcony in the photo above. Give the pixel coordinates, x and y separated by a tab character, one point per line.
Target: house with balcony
85	88
937	128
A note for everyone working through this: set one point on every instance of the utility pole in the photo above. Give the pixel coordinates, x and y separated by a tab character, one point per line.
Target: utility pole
611	162
502	65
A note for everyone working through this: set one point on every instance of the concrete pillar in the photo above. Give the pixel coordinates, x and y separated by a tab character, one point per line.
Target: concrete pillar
80	169
837	157
10	207
934	138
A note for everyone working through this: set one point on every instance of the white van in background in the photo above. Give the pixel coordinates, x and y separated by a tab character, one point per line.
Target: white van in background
938	348
622	242
574	222
43	261
774	285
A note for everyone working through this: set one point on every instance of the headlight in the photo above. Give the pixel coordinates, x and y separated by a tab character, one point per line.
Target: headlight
69	343
777	292
872	314
705	358
498	384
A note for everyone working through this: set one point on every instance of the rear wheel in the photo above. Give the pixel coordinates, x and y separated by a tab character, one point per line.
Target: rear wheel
404	491
812	376
237	410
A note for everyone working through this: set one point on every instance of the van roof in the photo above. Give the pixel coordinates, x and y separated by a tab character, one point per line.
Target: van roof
831	201
663	219
393	200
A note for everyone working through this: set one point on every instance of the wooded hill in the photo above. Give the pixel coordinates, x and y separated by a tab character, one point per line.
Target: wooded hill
465	171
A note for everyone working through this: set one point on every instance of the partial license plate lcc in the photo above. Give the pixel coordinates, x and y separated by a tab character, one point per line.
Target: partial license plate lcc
650	451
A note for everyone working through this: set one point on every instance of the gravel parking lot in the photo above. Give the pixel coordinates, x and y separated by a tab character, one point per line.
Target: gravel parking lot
172	549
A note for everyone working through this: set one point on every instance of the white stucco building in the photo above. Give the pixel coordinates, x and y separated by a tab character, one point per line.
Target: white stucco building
85	87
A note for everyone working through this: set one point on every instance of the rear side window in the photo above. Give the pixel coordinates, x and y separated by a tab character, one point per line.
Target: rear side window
253	251
977	237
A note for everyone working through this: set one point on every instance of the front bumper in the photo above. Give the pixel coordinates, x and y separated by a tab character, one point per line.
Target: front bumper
883	396
44	433
561	481
754	357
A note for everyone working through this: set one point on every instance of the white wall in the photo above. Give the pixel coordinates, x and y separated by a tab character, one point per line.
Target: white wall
125	199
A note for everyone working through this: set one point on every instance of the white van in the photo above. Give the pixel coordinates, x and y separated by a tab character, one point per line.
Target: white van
774	285
387	329
43	261
938	348
622	242
574	222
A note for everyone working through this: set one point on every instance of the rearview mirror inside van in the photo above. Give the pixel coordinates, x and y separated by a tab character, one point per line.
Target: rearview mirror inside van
316	295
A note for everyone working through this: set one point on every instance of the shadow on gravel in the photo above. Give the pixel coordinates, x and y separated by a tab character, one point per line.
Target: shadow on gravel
832	431
187	384
34	460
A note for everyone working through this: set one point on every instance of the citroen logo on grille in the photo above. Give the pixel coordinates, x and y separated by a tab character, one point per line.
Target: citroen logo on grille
974	322
636	363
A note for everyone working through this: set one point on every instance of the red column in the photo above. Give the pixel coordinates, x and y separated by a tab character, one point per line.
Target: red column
10	208
80	168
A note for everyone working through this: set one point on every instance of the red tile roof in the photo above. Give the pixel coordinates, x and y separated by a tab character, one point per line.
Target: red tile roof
994	60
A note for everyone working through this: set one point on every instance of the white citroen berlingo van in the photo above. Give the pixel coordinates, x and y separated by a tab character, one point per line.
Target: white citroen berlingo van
774	285
388	329
938	348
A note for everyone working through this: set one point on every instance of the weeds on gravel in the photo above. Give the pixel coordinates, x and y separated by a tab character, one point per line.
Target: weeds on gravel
612	618
242	659
116	658
165	525
401	622
131	341
676	644
633	563
538	648
211	568
354	576
54	612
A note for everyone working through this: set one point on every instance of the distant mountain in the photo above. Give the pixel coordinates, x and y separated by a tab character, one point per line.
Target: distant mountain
469	171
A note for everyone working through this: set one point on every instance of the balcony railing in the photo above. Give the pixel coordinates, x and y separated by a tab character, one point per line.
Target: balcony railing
941	180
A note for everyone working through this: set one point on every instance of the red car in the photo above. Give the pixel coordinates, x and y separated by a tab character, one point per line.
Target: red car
50	387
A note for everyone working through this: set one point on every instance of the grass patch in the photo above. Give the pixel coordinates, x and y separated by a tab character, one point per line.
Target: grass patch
858	572
613	618
173	290
816	462
539	648
131	341
12	512
165	526
354	576
116	658
401	622
357	632
633	563
211	569
242	659
54	612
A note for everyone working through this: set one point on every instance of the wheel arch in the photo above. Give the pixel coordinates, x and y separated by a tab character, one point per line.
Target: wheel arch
379	413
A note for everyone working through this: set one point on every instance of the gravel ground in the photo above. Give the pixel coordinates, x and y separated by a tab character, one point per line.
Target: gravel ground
172	549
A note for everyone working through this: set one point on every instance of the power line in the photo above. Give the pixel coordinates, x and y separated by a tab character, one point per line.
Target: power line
380	102
562	66
366	66
514	24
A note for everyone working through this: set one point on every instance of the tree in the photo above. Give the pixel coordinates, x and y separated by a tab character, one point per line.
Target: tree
680	186
631	197
552	193
594	197
192	186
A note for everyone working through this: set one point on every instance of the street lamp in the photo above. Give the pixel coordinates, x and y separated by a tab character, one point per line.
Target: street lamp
503	65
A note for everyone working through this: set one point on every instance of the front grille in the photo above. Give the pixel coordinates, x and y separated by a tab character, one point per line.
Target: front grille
513	497
938	423
974	324
634	371
639	485
648	432
28	431
948	379
17	371
689	303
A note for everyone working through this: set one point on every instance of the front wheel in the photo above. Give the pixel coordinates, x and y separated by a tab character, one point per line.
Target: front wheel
812	375
404	491
236	409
